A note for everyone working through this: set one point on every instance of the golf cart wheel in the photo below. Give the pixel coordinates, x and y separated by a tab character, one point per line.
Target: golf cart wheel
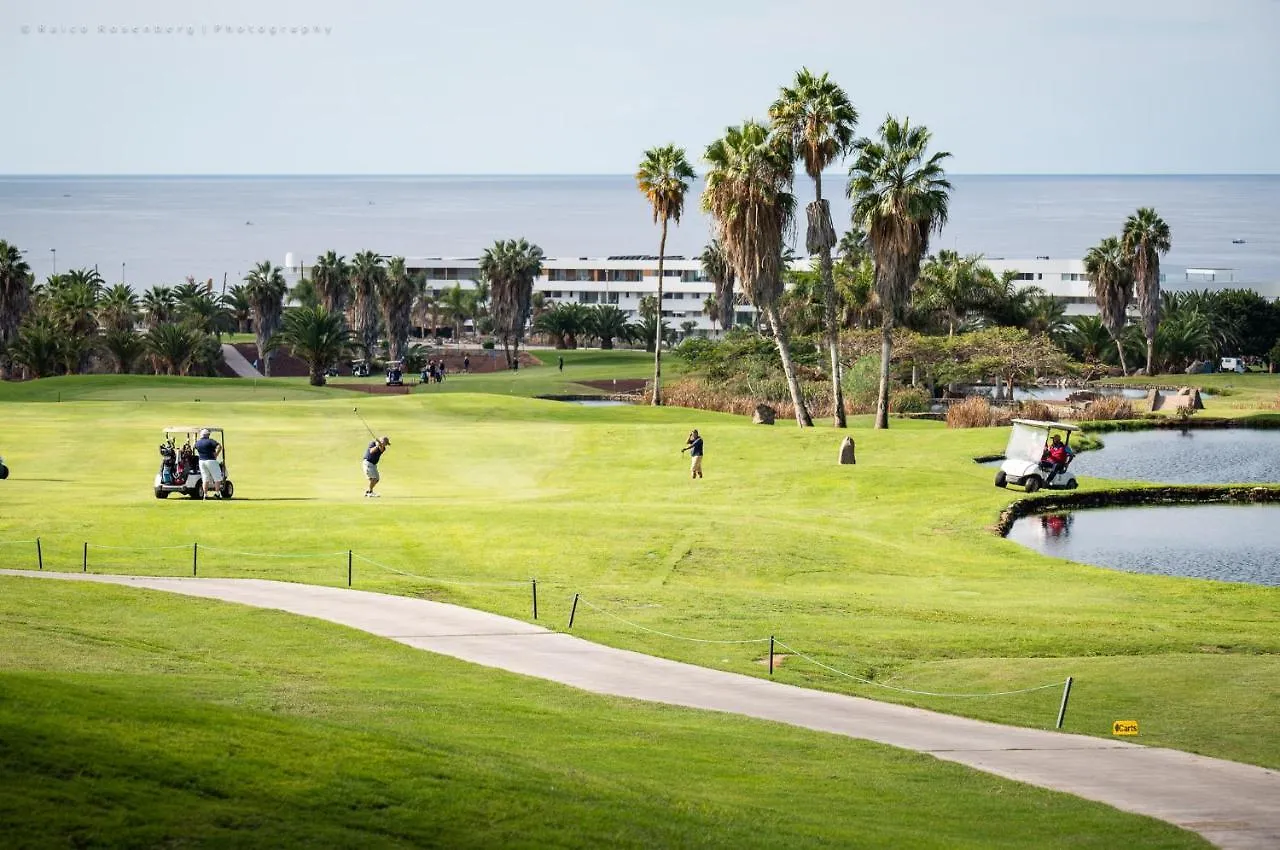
161	493
1033	483
227	489
1001	479
1072	484
4	472
197	492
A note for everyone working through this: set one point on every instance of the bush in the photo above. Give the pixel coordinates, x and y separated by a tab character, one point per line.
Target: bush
910	400
487	345
1035	410
861	384
976	412
1107	408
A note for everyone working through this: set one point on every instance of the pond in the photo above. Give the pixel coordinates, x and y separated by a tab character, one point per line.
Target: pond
600	402
1194	456
1224	542
1056	393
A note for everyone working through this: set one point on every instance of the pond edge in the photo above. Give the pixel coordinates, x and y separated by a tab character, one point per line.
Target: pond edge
1129	497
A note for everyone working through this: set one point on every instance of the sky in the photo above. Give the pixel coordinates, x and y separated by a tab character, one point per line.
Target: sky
585	86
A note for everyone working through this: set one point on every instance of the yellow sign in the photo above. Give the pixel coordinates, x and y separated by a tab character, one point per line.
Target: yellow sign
1124	727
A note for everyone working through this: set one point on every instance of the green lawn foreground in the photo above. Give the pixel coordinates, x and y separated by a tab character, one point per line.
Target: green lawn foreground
135	718
886	570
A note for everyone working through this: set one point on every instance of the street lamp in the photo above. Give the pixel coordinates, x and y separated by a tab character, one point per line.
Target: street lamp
122	271
54	251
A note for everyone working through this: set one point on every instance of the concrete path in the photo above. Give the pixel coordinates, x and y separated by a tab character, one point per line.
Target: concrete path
238	362
1233	805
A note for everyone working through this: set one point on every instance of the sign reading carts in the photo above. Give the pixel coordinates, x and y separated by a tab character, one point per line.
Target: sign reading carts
1124	727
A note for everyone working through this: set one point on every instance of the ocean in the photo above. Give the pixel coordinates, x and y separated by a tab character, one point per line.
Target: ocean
159	230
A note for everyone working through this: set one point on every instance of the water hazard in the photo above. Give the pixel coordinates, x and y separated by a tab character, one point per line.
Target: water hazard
1224	542
1204	456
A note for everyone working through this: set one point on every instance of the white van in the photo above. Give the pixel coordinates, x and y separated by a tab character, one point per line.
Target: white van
1231	364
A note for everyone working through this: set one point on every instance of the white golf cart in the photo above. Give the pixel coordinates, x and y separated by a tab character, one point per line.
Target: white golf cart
1024	456
179	467
4	470
395	373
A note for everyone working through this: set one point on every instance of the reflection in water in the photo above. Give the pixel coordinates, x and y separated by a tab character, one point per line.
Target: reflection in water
1186	456
1225	542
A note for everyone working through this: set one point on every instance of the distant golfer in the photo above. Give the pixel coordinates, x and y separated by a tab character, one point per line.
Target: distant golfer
561	364
372	455
207	450
694	448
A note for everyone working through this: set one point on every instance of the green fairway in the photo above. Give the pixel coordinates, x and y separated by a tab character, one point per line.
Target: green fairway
130	718
886	570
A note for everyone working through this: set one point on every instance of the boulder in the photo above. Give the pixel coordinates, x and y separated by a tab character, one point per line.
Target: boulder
1154	399
846	451
764	415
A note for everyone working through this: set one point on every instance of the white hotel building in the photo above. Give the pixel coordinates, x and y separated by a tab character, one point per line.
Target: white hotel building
623	280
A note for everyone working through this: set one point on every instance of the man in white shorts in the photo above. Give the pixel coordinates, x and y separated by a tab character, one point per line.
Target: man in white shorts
207	450
372	455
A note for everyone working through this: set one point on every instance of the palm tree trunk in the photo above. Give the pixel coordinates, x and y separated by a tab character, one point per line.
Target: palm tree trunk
886	352
657	333
829	308
803	419
1151	354
1124	370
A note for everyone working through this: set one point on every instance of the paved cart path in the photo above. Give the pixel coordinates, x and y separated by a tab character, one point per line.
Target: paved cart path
1233	805
238	362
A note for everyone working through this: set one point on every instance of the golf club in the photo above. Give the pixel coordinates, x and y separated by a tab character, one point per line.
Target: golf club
356	411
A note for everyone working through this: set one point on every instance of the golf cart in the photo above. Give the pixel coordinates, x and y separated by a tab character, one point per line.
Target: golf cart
4	470
395	373
1024	457
179	467
359	368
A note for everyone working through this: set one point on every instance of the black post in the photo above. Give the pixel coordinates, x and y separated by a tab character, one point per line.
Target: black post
535	598
348	568
1066	694
39	554
84	561
195	557
573	610
770	655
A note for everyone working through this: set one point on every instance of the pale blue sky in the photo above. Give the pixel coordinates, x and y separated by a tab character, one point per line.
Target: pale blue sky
584	86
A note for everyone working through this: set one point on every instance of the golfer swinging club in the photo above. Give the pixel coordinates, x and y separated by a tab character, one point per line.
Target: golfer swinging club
207	450
371	457
694	448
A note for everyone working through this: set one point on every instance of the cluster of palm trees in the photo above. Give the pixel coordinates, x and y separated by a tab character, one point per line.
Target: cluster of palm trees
1120	268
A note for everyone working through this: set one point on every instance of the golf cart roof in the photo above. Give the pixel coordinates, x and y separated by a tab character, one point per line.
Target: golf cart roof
1055	426
190	429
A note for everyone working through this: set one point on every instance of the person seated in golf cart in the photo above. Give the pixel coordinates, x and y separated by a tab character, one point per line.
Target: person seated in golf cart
1056	458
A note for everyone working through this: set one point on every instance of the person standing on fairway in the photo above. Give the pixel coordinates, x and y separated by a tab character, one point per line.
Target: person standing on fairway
371	457
207	450
694	448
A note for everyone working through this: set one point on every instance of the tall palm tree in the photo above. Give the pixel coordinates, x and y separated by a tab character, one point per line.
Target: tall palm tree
853	246
817	117
663	178
159	305
237	301
1112	288
457	307
266	289
367	273
748	195
118	308
317	336
15	298
331	276
396	293
900	198
1145	238
510	267
718	270
711	309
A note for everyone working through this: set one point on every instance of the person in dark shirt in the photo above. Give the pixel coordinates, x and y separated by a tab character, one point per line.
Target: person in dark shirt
207	450
372	455
466	363
694	448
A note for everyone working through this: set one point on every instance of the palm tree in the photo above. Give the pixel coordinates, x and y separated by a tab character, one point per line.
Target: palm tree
711	309
396	292
15	298
717	269
304	294
954	285
331	276
174	346
37	347
900	198
510	267
817	117
118	308
317	336
853	246
266	289
1112	288
748	195
367	273
237	302
856	292
607	324
1145	238
125	347
663	178
457	307
159	305
206	313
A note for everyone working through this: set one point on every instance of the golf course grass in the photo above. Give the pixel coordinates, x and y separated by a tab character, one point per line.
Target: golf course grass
885	571
131	718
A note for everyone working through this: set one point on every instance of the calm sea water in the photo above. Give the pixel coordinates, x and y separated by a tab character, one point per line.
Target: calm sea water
161	229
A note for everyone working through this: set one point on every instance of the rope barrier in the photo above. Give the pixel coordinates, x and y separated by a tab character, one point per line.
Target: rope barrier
204	548
818	663
509	583
186	546
665	634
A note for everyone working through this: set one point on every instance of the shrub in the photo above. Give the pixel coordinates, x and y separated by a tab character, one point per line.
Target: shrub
910	400
487	345
1035	410
1107	408
976	412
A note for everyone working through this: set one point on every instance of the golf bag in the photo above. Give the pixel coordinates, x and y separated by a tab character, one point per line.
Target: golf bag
168	463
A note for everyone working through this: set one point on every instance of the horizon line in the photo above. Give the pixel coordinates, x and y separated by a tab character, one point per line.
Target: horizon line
298	175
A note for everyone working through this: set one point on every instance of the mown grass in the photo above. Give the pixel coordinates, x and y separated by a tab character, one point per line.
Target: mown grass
131	718
1236	394
886	570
